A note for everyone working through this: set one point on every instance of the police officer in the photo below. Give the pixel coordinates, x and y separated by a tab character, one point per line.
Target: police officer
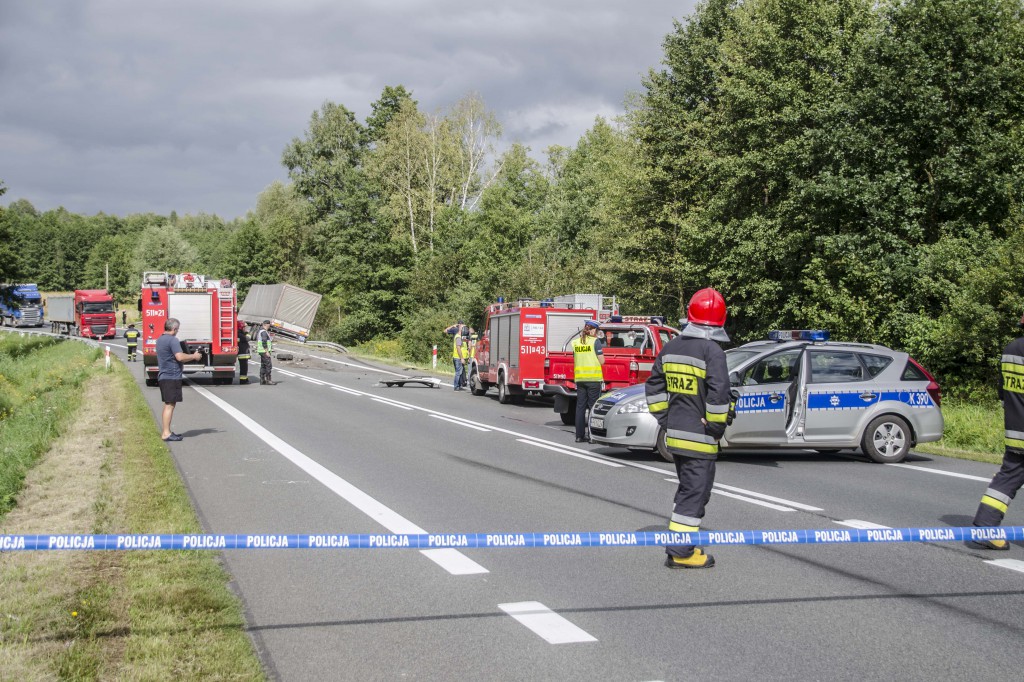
243	353
1010	477
688	393
264	346
131	338
588	373
460	352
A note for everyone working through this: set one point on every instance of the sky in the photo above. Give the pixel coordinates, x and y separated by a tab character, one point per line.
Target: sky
186	105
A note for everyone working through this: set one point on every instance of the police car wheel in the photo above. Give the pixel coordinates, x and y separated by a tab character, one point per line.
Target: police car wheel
887	439
662	448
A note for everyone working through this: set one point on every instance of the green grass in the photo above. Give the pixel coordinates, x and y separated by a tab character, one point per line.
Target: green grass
40	386
973	431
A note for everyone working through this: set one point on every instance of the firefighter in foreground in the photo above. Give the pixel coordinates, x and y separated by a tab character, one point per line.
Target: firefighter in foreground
588	374
1010	477
688	393
131	338
264	346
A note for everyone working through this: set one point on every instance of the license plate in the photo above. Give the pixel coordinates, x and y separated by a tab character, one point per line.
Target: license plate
597	423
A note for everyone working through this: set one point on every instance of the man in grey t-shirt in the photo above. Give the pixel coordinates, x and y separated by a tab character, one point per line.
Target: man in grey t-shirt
169	358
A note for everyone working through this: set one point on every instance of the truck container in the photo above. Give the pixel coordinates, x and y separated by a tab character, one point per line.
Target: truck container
24	308
205	308
91	314
291	310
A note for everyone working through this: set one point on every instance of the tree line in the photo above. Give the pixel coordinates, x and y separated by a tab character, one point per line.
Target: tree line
853	165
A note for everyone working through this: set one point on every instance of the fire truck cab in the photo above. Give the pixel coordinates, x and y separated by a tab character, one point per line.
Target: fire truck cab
205	307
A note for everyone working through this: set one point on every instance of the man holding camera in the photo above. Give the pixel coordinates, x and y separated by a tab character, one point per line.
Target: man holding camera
170	358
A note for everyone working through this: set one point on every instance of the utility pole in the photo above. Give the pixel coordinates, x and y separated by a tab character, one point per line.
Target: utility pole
106	274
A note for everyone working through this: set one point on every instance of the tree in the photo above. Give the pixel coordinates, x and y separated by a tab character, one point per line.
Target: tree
282	216
163	249
8	261
475	129
111	260
392	100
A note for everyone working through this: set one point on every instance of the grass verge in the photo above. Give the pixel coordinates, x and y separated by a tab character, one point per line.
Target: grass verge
107	614
973	431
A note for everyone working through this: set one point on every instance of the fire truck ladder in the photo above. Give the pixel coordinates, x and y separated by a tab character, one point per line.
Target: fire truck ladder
227	326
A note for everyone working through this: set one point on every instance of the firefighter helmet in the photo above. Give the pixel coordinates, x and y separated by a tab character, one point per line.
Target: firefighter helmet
707	307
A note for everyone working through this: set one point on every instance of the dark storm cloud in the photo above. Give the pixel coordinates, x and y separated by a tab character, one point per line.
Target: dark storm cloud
125	106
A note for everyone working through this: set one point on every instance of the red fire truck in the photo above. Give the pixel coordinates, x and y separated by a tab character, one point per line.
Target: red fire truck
517	337
205	307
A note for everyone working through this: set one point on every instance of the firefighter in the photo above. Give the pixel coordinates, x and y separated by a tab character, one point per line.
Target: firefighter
1010	477
588	374
264	346
243	353
688	393
131	337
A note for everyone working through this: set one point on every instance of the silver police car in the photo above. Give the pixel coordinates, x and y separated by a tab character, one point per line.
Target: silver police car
798	390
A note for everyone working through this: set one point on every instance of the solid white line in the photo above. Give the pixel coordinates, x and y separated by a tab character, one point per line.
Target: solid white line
751	493
312	381
551	627
349	364
345	390
943	473
863	525
383	515
751	500
568	452
1012	564
460	423
388	402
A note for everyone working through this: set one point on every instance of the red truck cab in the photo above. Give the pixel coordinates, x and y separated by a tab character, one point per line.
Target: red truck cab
94	314
631	343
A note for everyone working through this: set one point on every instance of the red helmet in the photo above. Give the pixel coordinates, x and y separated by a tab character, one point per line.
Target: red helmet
706	307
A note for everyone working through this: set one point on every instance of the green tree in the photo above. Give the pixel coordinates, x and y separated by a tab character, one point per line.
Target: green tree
282	215
113	255
164	249
392	100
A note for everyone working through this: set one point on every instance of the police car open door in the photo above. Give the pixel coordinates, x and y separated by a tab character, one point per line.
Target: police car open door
768	390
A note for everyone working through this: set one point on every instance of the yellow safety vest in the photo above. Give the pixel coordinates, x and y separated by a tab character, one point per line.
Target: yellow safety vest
455	348
472	349
586	366
262	347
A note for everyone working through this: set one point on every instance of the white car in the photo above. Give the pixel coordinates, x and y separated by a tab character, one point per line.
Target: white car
798	390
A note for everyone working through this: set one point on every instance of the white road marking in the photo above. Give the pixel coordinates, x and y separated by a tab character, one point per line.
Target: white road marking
383	515
453	561
751	500
1012	564
392	404
345	390
863	525
551	627
312	381
568	452
943	473
349	364
460	423
751	493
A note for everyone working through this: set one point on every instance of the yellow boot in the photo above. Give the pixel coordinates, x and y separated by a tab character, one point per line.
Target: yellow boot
696	560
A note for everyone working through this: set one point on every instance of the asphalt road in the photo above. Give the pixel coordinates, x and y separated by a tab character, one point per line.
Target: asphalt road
328	450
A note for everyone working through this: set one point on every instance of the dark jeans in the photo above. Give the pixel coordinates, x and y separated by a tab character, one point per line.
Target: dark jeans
265	366
460	370
587	393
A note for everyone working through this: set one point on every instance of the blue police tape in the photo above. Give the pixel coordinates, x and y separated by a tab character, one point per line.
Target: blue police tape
506	540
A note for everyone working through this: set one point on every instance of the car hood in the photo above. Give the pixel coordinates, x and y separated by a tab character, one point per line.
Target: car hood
621	394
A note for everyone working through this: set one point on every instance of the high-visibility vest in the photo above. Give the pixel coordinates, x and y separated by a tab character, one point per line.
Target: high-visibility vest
261	345
455	348
586	366
472	348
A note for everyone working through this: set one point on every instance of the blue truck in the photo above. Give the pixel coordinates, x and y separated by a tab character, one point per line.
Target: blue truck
25	309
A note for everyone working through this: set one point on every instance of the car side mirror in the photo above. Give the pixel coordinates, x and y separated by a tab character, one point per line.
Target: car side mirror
734	378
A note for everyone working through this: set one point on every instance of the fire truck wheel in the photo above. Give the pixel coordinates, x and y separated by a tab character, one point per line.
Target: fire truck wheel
504	397
662	448
569	417
476	385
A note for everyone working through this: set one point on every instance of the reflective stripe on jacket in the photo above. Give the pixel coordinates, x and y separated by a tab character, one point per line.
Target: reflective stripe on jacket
132	337
689	383
1012	393
263	342
586	366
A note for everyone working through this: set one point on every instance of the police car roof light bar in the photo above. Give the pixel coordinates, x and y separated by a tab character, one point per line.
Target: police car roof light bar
799	335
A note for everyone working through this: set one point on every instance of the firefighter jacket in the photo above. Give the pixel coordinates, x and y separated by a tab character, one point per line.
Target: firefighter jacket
131	337
586	366
1012	394
243	343
690	382
263	342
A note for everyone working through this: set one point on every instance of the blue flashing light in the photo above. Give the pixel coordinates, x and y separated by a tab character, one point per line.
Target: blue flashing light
799	335
615	318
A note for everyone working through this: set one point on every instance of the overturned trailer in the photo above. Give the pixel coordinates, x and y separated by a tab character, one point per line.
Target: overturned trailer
291	310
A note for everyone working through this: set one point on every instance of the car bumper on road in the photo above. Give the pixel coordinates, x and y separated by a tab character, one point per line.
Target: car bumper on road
626	431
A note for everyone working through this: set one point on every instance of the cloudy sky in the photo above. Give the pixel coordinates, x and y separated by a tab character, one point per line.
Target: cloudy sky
123	106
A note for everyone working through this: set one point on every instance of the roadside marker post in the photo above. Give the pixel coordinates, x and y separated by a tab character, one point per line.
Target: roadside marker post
434	365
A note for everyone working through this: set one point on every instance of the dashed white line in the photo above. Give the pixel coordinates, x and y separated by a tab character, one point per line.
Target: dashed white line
345	390
539	444
941	473
751	493
863	525
551	627
460	422
392	404
349	364
383	515
751	500
1012	564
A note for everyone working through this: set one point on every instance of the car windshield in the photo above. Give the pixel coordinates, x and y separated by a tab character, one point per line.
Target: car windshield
102	307
737	356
